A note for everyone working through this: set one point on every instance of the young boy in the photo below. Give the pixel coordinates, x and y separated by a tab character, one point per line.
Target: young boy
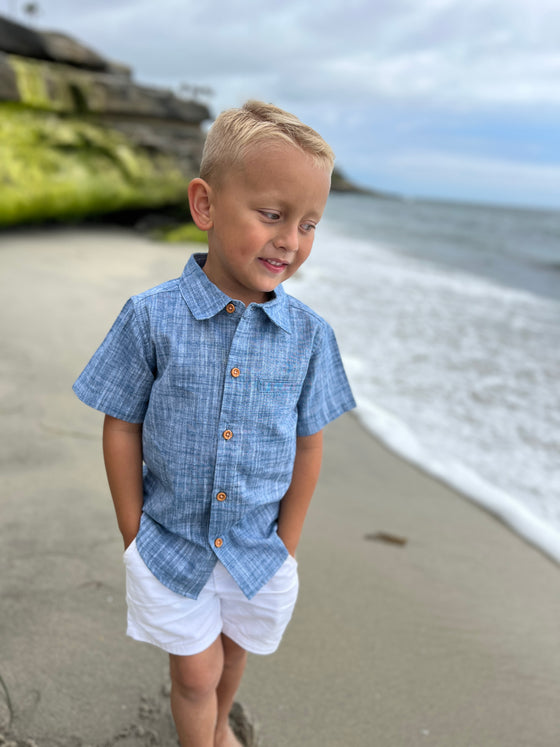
216	387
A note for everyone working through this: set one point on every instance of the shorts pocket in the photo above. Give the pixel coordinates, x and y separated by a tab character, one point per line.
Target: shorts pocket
286	577
129	550
291	560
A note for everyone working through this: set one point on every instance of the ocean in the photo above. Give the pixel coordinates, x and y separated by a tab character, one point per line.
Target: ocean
448	320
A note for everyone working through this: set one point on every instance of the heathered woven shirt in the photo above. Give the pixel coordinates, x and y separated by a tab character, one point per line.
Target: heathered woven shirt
222	390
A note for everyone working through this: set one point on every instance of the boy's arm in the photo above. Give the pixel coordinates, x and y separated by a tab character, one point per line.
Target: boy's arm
122	450
294	505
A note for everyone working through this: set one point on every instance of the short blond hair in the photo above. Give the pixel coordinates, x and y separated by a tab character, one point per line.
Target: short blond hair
237	130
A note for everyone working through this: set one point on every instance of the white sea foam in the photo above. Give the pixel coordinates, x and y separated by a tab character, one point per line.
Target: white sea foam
454	372
394	434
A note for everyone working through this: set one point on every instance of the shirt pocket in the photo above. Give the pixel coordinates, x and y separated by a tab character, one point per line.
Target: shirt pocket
274	397
279	391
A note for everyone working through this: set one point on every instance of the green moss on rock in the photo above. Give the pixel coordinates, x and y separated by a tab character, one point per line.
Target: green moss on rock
59	167
54	87
31	83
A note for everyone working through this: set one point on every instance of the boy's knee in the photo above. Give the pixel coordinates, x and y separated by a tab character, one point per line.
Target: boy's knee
234	654
196	677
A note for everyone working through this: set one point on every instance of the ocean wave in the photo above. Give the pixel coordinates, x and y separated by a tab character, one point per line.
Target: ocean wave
401	440
445	362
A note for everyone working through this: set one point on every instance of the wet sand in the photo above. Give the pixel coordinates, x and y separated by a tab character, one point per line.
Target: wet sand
450	637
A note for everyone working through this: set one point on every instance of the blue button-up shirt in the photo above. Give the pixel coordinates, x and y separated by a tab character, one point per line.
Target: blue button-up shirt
222	391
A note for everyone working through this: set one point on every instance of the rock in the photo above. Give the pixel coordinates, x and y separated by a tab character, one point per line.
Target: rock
8	82
340	183
120	69
78	136
65	168
62	48
48	45
18	39
57	87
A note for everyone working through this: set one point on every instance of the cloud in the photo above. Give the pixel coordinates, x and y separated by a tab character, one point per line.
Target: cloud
484	52
473	178
468	81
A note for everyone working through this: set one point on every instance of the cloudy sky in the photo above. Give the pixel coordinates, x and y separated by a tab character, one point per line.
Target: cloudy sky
436	98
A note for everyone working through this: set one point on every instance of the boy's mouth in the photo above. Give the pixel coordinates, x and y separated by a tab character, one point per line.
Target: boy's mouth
273	265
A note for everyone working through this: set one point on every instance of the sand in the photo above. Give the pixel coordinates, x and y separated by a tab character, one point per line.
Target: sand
450	639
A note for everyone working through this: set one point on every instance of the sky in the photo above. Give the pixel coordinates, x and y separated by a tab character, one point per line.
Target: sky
441	99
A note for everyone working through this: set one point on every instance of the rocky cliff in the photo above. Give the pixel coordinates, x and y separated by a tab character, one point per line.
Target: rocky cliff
79	137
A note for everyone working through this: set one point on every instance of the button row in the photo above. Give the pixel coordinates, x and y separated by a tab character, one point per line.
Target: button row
227	434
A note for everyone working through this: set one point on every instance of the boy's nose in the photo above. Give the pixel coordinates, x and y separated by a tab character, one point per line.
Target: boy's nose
287	239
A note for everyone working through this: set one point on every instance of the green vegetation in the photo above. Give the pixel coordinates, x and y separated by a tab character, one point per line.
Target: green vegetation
55	166
185	233
39	86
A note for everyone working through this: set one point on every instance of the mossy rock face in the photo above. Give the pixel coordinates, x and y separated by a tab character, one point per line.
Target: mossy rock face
60	167
51	86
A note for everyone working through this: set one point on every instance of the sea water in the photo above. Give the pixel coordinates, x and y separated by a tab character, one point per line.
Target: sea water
448	319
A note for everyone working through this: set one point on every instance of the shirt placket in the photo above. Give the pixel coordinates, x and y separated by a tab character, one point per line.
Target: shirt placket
225	506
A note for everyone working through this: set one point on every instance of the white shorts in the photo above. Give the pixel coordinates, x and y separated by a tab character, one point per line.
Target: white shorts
184	626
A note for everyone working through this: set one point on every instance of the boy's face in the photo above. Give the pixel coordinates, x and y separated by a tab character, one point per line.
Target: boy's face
263	217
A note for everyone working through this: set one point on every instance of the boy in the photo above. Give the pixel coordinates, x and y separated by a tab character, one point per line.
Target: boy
216	387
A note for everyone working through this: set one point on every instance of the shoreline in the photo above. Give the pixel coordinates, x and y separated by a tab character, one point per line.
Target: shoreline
472	487
450	638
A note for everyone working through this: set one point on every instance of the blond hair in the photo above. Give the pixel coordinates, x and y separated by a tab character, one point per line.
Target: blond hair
235	131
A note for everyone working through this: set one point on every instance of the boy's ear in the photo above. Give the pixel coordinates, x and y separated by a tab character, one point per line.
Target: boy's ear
200	203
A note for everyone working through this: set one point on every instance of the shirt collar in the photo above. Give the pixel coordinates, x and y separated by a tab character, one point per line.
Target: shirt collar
205	299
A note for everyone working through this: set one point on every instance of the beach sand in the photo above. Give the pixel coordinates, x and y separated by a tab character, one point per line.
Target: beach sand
450	638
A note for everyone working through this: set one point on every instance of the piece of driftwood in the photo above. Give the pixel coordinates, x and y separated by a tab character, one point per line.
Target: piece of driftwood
387	537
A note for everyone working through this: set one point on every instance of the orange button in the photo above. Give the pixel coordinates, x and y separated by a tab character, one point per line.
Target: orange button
230	308
218	542
235	372
227	435
221	497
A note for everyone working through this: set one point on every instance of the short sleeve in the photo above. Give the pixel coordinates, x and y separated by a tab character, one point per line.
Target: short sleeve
119	377
326	393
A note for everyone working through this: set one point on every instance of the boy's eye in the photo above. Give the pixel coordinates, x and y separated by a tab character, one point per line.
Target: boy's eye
308	227
269	216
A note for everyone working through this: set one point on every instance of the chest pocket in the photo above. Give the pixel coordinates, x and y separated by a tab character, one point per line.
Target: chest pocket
278	388
275	395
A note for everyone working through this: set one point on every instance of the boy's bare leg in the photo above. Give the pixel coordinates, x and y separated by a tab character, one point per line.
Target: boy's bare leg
194	703
235	659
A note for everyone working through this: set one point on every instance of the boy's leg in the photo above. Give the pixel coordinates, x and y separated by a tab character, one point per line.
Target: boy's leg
235	659
203	687
194	703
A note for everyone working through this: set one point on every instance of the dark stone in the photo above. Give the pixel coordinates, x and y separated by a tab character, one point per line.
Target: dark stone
54	47
8	82
17	39
117	95
119	69
95	85
68	51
